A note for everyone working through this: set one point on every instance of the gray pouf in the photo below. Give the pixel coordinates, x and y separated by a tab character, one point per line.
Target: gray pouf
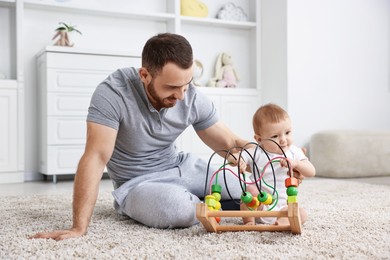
344	154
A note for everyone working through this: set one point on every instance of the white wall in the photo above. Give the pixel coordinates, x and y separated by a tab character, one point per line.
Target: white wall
338	65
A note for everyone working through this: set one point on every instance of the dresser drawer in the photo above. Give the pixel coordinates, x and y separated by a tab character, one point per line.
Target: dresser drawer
68	104
75	81
63	159
66	130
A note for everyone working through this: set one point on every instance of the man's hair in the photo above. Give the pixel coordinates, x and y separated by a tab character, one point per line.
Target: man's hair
269	113
165	48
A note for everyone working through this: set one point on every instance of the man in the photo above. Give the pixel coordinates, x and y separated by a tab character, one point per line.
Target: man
134	118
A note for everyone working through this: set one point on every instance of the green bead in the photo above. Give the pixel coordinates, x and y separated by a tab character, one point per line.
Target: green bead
216	188
292	191
263	196
246	197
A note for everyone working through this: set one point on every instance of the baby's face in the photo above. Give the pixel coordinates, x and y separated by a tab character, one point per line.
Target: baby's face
279	132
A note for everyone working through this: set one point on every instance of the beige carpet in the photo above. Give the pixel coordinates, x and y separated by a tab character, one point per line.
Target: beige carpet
348	220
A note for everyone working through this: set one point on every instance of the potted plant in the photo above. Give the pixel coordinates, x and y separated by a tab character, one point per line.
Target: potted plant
62	36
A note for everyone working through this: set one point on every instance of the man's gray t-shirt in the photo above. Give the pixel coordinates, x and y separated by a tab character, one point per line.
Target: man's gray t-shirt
146	137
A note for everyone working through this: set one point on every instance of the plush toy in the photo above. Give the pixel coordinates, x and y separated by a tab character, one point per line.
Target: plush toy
193	8
225	74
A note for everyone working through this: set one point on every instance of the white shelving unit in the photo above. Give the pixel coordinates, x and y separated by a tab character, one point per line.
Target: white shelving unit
11	93
209	36
124	26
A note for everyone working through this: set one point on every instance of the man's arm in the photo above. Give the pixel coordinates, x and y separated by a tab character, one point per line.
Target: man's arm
220	137
98	150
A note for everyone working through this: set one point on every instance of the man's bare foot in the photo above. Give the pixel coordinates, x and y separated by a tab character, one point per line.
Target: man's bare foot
250	223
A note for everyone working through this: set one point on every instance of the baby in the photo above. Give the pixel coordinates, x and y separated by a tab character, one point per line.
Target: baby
272	123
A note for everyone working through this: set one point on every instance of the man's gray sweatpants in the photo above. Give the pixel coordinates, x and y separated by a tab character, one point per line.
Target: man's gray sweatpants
168	199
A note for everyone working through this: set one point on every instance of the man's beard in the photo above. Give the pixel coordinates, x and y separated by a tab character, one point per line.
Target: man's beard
158	102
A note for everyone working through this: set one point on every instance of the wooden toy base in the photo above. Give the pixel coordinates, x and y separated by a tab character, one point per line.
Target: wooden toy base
207	218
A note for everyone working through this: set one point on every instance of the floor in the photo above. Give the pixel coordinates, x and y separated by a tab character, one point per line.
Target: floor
45	187
62	186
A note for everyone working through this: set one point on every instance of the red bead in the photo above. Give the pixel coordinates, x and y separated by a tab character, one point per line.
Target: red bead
254	203
291	182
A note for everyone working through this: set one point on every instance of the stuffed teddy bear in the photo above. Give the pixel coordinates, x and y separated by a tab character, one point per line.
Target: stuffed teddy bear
225	74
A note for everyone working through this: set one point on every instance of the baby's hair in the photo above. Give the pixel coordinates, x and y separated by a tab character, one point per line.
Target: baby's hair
269	113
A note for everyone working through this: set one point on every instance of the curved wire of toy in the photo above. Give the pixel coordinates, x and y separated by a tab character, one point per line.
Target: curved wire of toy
215	174
275	196
208	169
275	159
254	167
285	156
242	184
238	168
241	179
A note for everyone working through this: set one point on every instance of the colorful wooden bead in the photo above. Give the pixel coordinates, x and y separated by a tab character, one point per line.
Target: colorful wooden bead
291	199
265	198
217	205
217	196
292	191
254	204
246	197
210	201
291	182
216	188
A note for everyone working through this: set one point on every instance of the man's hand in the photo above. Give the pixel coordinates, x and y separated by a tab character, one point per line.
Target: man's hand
60	234
234	159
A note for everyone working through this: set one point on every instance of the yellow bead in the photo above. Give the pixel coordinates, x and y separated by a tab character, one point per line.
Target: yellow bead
291	199
254	203
217	205
217	196
268	201
210	201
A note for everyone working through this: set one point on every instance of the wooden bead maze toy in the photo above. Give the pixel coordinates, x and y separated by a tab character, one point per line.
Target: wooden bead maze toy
210	213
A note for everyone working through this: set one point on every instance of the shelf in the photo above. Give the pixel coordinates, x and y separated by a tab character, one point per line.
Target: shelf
90	10
7	3
74	50
229	91
217	22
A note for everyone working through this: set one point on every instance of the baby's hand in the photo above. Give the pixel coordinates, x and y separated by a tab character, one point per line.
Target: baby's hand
298	176
284	163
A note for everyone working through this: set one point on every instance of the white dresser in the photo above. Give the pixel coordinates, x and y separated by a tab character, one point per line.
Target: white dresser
67	78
